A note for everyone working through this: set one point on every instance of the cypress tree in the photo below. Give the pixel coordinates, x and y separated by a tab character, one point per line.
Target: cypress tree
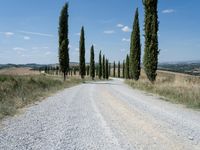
114	69
100	66
107	69
119	69
135	49
150	60
64	41
104	67
82	53
123	69
92	63
88	70
127	67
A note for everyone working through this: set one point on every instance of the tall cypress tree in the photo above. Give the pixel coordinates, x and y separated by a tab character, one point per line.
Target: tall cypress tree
100	66
151	51
104	67
123	69
135	49
82	53
119	69
64	41
92	63
114	69
127	68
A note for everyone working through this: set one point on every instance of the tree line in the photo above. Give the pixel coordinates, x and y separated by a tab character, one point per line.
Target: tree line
131	66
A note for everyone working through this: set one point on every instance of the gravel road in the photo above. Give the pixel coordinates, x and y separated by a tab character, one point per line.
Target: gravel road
106	115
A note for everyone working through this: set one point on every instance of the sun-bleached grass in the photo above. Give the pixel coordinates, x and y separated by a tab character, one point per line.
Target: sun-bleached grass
175	87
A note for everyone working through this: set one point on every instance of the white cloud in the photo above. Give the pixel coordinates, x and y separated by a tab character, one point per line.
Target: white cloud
7	34
27	38
36	33
78	34
126	29
125	40
77	49
18	49
168	11
120	25
109	32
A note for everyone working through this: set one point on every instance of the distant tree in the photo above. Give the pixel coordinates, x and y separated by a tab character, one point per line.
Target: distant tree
88	70
127	67
107	69
82	53
92	63
150	60
123	69
114	69
119	69
64	41
100	66
104	67
135	49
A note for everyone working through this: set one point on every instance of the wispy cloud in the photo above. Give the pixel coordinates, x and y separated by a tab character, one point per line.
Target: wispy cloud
168	11
120	25
7	34
36	33
78	34
126	29
125	40
19	49
27	38
109	32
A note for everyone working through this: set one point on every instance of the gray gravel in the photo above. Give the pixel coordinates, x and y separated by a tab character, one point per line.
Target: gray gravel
104	116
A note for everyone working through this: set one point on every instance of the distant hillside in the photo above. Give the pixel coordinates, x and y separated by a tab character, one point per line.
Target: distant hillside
190	67
32	65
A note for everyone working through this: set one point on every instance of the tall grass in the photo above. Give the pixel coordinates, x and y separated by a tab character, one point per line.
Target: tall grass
177	88
18	91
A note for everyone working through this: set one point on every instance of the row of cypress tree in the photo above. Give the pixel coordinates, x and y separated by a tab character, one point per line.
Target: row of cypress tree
103	67
132	65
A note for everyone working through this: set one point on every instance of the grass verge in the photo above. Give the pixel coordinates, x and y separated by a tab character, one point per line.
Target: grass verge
19	91
177	88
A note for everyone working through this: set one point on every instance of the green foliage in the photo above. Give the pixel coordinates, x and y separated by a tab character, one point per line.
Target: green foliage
64	41
104	67
118	69
82	54
92	63
150	60
123	70
127	74
114	69
107	69
100	66
135	49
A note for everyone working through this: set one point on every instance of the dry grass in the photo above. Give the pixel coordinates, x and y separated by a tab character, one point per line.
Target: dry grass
175	87
18	91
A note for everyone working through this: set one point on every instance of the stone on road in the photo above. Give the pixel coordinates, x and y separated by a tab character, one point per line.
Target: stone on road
105	115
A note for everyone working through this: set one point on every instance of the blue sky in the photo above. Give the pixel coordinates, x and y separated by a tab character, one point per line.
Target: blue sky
29	29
